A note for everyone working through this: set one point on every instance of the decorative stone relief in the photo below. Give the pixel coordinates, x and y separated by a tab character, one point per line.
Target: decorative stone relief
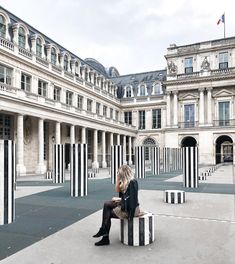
205	65
172	68
27	130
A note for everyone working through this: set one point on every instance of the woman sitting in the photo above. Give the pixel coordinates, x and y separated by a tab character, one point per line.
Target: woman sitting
126	206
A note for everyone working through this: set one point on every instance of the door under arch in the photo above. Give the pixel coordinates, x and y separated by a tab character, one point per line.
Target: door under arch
188	142
224	149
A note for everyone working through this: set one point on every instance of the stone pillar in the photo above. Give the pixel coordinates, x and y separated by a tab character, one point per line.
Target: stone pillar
168	109
129	150
201	106
124	149
83	136
209	101
41	168
104	163
111	139
175	109
72	134
20	145
95	164
118	139
57	133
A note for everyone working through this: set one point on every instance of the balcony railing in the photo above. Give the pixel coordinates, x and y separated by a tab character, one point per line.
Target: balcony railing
56	68
188	75
7	88
190	124
68	75
224	123
6	44
25	53
223	71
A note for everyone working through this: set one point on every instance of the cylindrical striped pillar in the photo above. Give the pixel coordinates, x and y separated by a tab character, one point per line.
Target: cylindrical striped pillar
138	231
155	163
7	181
116	161
58	163
140	162
78	170
174	196
166	159
190	167
49	175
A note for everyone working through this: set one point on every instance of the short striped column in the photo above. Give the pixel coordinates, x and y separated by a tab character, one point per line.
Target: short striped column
49	175
140	162
7	181
78	170
58	163
116	161
202	177
91	174
138	231
155	162
174	196
190	167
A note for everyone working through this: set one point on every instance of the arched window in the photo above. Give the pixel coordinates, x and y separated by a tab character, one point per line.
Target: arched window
39	47
128	91
2	27
142	90
66	63
157	89
148	142
53	56
22	38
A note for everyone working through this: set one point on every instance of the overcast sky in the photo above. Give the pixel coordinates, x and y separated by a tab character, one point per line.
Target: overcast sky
132	35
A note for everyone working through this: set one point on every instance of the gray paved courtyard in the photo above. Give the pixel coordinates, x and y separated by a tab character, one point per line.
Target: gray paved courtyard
51	227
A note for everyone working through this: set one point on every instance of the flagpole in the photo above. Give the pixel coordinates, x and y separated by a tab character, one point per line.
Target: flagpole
224	24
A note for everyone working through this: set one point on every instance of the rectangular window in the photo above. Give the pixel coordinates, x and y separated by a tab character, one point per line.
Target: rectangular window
223	60
6	75
189	116
89	105
42	88
25	82
69	98
57	93
188	64
98	108
128	118
142	119
111	113
5	127
224	113
80	102
156	118
105	111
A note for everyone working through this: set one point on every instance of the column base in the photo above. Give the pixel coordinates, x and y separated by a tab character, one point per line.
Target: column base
95	165
20	169
41	169
130	162
104	164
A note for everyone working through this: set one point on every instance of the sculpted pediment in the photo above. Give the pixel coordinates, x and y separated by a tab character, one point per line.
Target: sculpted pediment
223	93
188	96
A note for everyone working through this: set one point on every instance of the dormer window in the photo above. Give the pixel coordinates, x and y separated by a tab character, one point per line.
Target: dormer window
223	60
157	89
142	90
66	63
53	56
128	91
39	47
188	62
2	27
22	38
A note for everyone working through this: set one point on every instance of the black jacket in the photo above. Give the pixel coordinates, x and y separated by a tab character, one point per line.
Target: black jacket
130	199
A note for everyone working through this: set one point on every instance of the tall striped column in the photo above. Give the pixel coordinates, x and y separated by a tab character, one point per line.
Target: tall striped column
155	162
190	167
7	181
116	161
58	163
78	170
180	158
166	159
140	162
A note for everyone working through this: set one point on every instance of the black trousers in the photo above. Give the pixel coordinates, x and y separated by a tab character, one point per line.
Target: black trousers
108	214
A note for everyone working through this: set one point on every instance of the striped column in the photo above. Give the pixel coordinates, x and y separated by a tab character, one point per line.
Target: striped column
190	167
116	161
166	159
138	231
78	170
58	163
7	181
49	175
155	162
174	196
140	162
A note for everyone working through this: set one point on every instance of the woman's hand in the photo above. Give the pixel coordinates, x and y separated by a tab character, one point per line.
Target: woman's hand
116	199
117	186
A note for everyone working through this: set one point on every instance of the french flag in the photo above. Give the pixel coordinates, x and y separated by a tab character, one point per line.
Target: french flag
221	20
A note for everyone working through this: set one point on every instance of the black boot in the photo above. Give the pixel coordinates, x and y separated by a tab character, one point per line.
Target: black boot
101	232
103	242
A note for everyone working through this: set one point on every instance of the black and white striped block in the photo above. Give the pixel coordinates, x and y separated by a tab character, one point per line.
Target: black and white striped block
166	159
78	170
91	174
7	181
116	161
140	162
208	172
202	177
174	196
49	175
155	162
58	163
190	167
138	231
